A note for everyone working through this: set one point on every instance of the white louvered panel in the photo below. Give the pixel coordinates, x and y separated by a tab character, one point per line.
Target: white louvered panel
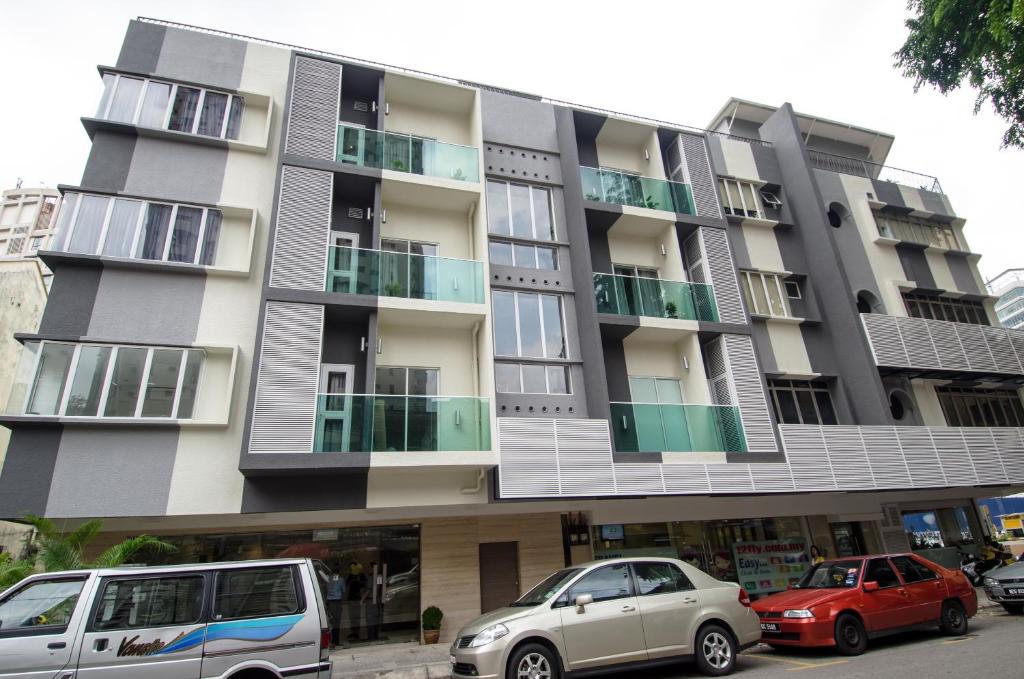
807	457
702	179
730	478
987	463
585	457
313	110
954	456
978	356
888	467
947	344
920	456
746	383
1010	443
686	479
772	477
849	459
529	463
638	478
720	266
917	342
884	338
693	253
999	344
284	412
1017	340
303	225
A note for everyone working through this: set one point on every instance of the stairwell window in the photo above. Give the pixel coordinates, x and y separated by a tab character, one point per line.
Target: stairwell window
528	324
765	294
740	198
519	211
802	402
916	230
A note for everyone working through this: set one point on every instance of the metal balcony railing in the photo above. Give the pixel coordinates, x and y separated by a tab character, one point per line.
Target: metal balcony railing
864	168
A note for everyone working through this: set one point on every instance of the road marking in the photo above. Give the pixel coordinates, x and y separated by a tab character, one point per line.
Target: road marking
788	661
959	640
816	666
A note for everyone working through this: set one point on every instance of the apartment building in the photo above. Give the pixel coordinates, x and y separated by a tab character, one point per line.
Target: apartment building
461	336
1008	288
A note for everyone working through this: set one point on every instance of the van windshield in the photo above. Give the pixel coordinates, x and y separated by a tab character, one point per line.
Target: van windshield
548	587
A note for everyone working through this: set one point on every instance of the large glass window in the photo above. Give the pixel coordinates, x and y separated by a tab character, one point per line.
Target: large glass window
519	210
765	293
518	378
974	407
528	324
150	602
740	198
126	99
41	604
655	390
51	374
406	381
802	402
255	593
87	386
523	255
936	307
917	230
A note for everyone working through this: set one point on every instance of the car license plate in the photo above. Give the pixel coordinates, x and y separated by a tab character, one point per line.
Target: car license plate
1015	592
769	627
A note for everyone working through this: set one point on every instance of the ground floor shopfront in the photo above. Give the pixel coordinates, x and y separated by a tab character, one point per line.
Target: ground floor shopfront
473	559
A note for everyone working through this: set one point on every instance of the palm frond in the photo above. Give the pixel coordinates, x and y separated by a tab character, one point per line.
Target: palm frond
79	537
13	571
124	551
56	554
45	527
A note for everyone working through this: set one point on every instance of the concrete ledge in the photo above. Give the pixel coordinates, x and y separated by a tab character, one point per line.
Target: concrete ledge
392	661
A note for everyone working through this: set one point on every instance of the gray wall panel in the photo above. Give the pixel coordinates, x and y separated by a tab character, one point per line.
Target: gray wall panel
177	171
960	268
110	161
140	50
916	267
149	307
304	493
69	305
112	472
518	121
202	57
28	470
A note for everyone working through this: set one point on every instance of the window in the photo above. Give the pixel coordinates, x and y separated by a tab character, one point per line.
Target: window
801	402
523	255
881	572
939	308
519	211
255	593
411	271
604	584
406	381
528	324
764	294
740	198
91	380
41	605
911	570
137	229
667	390
516	378
917	230
660	578
150	602
973	407
792	289
144	102
36	243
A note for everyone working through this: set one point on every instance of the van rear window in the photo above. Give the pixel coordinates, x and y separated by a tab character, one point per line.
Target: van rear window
255	593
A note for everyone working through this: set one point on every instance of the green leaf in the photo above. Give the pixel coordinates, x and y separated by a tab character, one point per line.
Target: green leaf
125	551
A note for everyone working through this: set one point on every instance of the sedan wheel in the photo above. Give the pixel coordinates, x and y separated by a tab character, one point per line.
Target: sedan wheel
715	653
533	666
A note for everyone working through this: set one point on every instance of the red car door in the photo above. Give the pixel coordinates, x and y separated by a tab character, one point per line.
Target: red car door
925	587
888	606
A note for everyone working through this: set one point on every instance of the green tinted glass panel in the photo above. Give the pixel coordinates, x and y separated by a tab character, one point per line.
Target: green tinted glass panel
654	297
397	274
622	188
650	427
402	153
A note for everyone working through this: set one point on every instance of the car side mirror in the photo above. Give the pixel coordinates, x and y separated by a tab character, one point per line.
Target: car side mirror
582	601
871	586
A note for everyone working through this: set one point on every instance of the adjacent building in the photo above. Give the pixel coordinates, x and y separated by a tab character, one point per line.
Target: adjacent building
1008	287
460	335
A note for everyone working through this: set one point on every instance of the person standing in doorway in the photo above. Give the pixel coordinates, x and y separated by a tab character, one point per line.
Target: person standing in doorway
355	594
335	597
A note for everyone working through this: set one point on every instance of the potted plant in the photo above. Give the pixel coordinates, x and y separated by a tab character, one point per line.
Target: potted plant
432	624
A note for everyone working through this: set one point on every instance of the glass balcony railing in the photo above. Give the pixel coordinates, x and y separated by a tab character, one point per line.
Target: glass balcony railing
621	188
397	274
676	427
405	153
637	296
361	423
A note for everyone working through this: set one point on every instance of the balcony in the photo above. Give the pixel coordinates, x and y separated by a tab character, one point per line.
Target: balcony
665	427
864	168
365	423
357	271
621	188
653	297
406	153
943	348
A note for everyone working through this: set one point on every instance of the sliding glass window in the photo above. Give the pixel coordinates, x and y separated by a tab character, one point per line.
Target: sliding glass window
528	324
519	211
527	378
802	402
523	255
765	294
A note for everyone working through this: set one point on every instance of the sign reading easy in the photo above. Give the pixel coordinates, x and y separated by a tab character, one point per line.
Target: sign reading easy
770	565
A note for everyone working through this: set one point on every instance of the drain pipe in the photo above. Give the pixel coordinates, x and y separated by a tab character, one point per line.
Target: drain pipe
473	490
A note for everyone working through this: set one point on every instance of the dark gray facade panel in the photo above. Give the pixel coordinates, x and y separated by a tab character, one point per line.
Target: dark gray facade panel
70	302
304	493
518	121
765	161
616	370
176	170
205	58
841	324
916	267
933	202
522	163
110	161
886	192
715	153
140	50
113	472
343	344
763	346
738	245
540	280
28	471
600	252
960	269
147	307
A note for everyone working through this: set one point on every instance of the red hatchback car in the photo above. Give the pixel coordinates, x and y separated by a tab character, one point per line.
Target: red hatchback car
844	602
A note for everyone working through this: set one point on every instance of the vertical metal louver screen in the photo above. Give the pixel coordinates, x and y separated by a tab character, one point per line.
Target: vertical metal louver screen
719	265
701	178
313	109
302	230
746	385
284	413
720	381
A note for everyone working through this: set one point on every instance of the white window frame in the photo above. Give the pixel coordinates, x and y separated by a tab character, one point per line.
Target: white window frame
755	189
505	240
795	286
540	307
108	374
407	368
547	379
105	113
780	288
533	216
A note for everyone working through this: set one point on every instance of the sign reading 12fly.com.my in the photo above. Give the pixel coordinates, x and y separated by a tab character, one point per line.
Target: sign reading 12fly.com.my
770	565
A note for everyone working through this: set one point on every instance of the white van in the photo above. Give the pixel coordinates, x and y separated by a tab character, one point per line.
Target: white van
239	620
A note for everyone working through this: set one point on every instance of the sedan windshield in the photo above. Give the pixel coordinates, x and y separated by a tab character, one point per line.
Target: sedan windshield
548	587
831	574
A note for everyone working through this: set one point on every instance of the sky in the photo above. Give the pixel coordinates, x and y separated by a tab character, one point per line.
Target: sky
674	61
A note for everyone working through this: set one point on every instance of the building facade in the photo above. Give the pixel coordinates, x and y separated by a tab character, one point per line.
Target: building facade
462	336
1008	287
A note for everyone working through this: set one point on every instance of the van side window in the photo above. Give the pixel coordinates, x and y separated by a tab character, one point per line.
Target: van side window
255	593
150	602
41	605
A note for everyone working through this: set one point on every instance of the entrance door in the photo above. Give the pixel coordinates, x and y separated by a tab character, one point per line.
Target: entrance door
848	538
335	432
499	574
343	263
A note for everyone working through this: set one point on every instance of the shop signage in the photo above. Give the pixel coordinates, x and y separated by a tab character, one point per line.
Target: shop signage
770	565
